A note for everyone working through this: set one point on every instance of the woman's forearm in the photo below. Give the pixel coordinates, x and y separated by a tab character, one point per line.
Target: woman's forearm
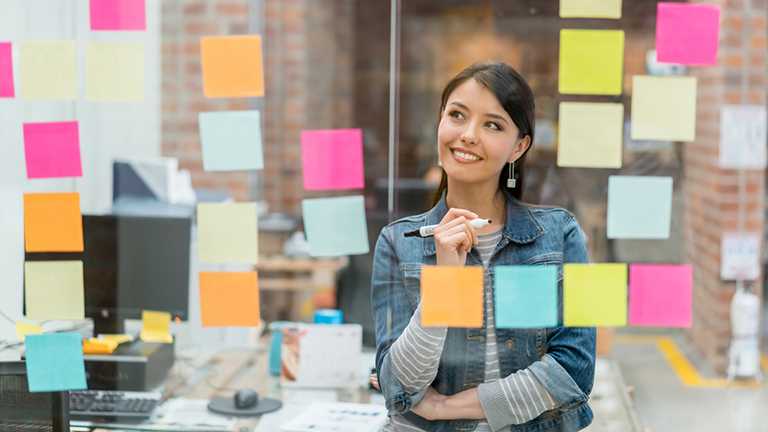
462	405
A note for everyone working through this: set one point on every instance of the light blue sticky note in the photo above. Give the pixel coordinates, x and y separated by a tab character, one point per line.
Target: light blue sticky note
231	140
639	207
526	296
55	362
335	226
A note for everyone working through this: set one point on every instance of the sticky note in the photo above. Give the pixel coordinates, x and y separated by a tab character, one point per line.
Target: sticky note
232	66
118	15
591	61
23	329
687	33
595	295
663	108
660	295
228	233
525	296
590	9
590	135
231	140
332	159
452	296
53	222
48	70
639	207
55	362
335	226
155	327
53	290
6	71
114	71
229	299
52	150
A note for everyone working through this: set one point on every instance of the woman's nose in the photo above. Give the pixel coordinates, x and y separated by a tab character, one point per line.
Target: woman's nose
469	135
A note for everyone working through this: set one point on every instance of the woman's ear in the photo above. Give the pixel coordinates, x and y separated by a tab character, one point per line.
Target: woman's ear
520	147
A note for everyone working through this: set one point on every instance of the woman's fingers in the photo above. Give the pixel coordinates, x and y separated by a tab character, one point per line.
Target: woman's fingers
460	221
458	239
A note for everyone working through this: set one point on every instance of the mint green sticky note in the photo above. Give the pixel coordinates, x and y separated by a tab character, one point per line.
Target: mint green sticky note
335	226
526	296
55	362
231	140
639	207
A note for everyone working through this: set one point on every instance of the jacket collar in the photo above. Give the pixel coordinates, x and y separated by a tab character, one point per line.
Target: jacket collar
520	226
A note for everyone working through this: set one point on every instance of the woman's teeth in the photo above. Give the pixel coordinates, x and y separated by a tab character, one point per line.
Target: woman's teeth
466	156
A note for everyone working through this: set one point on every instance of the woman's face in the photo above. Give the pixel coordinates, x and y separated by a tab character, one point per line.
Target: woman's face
476	136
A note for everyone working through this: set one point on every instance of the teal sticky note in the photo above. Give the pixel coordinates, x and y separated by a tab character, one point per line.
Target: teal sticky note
231	140
639	207
335	226
525	296
55	362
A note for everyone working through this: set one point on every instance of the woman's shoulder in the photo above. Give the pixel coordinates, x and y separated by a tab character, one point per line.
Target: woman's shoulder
550	215
409	222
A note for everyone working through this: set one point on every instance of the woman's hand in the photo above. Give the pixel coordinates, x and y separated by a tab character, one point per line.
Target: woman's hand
454	237
430	406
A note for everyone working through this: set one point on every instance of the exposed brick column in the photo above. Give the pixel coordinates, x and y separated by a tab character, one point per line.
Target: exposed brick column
712	194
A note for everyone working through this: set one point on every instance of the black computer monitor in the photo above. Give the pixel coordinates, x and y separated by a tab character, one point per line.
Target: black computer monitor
131	264
22	410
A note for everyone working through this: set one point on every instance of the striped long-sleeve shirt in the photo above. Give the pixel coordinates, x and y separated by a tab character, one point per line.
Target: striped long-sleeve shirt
415	357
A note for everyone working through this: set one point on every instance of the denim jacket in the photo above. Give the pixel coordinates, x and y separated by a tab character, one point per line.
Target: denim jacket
532	235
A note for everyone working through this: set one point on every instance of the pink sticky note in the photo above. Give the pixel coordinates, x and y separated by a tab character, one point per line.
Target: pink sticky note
660	295
52	150
687	33
6	71
118	15
332	159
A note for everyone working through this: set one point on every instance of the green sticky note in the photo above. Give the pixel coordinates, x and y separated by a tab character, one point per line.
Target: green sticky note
228	233
231	140
590	135
591	61
639	207
55	362
595	295
663	108
526	296
114	71
48	70
335	226
53	290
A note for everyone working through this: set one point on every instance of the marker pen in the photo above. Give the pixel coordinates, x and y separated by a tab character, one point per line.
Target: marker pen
429	230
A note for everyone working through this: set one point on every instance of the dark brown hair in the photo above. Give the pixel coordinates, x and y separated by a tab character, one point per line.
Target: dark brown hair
516	97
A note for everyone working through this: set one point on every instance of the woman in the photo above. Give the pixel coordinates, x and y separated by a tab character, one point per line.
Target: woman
449	379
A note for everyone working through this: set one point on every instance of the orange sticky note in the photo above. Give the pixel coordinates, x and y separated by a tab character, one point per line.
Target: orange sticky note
53	222
232	66
451	296
229	299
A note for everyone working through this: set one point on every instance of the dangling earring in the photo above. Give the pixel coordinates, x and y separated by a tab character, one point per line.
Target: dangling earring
511	181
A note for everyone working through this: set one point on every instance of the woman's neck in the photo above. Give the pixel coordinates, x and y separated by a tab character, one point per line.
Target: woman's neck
485	202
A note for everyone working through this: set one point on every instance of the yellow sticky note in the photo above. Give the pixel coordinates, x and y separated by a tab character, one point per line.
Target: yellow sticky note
23	329
590	9
663	108
53	290
48	70
114	71
155	327
228	233
590	135
595	295
452	296
116	338
591	61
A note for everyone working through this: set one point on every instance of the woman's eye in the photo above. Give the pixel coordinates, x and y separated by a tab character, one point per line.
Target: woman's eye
493	126
456	115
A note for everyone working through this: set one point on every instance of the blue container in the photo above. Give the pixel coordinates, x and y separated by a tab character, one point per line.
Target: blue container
328	316
276	344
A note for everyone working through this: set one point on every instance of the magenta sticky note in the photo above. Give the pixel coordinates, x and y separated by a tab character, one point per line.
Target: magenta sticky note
687	33
6	71
332	159
52	150
118	15
660	295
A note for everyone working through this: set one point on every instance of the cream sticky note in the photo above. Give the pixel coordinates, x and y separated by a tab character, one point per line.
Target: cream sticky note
590	9
53	290
663	108
231	140
639	207
595	295
591	62
687	34
590	135
114	71
660	295
232	66
452	296
155	327
335	226
53	222
229	299
48	70
228	233
23	329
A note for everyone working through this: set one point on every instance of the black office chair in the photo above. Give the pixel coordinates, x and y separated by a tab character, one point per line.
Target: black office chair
23	411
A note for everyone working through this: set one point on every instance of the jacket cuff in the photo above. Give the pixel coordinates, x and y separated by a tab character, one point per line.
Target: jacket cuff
396	399
557	381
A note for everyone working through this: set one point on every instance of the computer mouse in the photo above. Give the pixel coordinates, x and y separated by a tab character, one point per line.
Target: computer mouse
246	398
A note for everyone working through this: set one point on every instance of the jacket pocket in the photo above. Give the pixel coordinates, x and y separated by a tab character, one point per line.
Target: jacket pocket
412	281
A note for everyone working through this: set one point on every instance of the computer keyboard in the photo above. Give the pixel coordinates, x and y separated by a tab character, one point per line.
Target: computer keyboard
91	404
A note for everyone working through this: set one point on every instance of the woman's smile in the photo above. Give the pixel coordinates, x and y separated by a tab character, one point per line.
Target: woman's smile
465	156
